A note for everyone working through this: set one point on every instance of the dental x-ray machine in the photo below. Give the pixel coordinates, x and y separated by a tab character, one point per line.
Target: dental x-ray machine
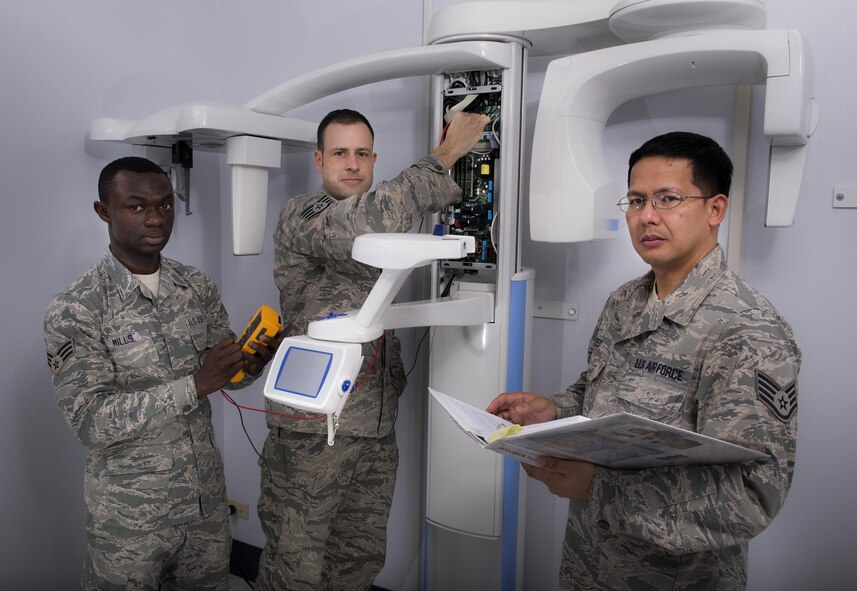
611	52
317	371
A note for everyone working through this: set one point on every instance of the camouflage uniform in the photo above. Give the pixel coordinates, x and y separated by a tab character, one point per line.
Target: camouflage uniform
714	357
324	509
123	370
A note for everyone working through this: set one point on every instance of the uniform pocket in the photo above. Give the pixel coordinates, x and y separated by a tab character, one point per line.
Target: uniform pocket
132	492
598	356
139	461
654	389
132	350
199	336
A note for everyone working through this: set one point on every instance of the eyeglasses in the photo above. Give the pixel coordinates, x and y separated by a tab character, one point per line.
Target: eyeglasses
634	203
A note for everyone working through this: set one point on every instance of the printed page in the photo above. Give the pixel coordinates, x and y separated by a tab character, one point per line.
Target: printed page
554	425
468	417
618	441
626	441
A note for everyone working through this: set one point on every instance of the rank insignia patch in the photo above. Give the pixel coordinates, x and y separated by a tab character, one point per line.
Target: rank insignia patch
782	401
316	208
58	359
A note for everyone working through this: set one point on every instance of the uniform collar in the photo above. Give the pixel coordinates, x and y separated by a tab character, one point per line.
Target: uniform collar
126	283
680	305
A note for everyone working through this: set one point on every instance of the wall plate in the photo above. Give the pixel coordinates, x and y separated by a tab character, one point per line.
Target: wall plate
844	197
555	310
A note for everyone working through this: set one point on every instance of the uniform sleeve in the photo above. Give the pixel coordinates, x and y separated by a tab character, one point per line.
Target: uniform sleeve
394	206
98	412
569	402
747	396
99	408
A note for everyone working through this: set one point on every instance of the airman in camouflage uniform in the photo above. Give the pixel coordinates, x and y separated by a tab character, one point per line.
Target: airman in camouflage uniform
132	365
324	509
699	349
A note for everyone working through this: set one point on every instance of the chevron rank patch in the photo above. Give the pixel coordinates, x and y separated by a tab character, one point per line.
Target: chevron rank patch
58	359
316	208
781	400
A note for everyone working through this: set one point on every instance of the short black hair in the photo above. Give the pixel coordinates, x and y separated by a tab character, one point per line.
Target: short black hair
342	117
710	166
127	164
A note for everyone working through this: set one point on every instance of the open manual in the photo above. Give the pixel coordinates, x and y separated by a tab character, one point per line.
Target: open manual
622	441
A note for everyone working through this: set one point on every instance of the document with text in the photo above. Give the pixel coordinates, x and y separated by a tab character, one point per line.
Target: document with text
621	441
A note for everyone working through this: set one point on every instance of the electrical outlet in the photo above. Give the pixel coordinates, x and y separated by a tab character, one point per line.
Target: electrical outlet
241	510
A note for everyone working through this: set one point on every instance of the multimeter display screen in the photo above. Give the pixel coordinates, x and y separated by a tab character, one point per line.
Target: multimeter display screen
250	328
303	371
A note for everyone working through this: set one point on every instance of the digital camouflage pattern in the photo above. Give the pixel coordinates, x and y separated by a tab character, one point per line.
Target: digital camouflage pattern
316	276
693	360
123	370
187	557
313	541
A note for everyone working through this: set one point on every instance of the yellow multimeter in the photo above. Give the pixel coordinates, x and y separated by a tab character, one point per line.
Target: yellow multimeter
266	321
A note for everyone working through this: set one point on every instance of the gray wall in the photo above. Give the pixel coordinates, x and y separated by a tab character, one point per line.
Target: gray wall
64	64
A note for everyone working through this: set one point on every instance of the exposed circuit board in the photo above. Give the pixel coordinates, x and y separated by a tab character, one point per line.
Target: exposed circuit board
477	172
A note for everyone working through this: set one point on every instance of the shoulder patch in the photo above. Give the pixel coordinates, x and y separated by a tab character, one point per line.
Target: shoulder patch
781	400
310	211
57	360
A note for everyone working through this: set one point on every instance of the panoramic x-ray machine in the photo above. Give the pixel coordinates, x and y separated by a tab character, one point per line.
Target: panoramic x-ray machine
477	57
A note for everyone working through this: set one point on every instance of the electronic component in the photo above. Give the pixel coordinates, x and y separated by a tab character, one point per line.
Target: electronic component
266	321
476	172
313	375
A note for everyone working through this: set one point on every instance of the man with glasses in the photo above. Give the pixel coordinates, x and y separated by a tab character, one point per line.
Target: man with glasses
736	362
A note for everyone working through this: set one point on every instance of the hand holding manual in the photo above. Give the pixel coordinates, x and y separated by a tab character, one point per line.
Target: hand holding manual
622	441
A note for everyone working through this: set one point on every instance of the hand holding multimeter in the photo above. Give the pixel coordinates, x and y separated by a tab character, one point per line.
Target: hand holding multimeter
265	322
226	361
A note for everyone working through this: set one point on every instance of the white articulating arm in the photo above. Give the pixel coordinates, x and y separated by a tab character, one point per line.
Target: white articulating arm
572	196
398	255
316	372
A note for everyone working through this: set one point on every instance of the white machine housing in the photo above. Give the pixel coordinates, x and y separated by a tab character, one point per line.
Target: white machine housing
313	375
718	42
317	372
573	196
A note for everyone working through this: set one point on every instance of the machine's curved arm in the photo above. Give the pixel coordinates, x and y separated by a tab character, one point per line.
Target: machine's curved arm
572	196
377	67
